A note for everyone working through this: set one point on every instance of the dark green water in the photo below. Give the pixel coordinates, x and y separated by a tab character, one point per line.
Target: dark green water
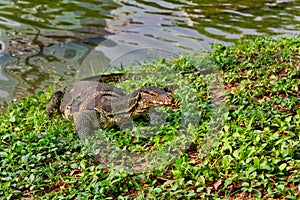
45	43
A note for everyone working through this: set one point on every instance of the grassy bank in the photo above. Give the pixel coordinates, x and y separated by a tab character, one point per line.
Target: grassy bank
255	154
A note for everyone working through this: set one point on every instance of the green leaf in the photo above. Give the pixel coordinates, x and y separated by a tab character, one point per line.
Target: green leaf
236	154
74	166
191	193
12	119
24	159
282	166
82	164
245	184
158	190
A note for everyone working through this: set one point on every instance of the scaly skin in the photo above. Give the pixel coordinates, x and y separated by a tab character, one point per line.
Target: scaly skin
92	105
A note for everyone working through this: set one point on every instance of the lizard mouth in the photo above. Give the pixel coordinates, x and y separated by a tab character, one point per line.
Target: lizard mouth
163	103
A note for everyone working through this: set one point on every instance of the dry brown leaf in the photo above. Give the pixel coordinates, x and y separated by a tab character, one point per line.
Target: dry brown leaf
217	184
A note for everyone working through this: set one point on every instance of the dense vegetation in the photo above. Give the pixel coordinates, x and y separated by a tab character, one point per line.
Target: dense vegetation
255	153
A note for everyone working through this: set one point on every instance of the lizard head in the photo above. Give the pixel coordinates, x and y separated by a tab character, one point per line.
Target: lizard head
135	104
153	96
148	97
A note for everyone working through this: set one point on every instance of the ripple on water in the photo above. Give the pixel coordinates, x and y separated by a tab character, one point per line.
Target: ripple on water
51	40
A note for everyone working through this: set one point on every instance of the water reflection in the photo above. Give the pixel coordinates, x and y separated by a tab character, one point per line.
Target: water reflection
138	45
231	20
44	43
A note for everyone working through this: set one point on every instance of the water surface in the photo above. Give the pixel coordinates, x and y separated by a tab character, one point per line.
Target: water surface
46	43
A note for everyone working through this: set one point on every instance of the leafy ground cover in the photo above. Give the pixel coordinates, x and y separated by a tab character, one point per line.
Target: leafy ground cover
255	155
